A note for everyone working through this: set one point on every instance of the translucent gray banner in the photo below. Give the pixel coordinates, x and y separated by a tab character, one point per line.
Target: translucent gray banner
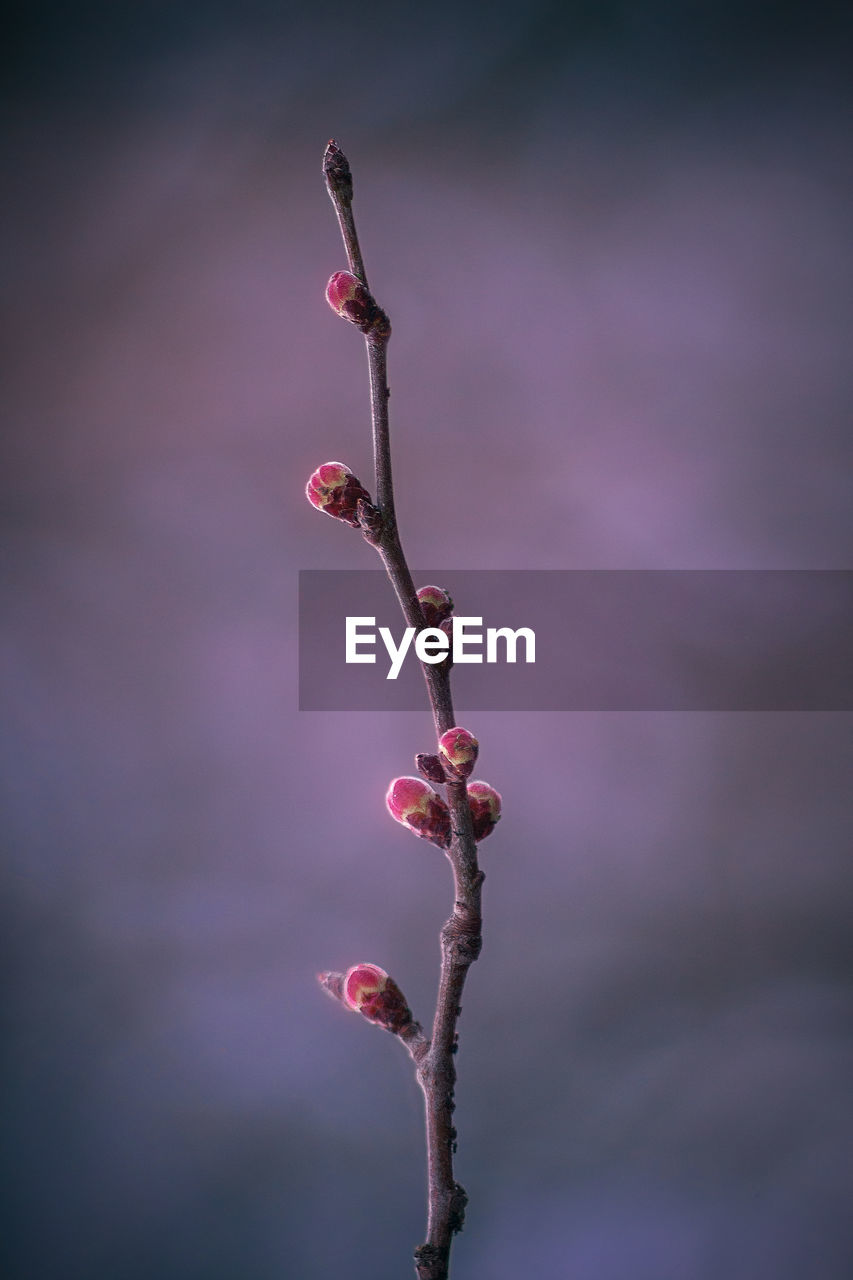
605	640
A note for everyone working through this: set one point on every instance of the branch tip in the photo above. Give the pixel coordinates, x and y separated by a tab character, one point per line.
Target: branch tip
332	984
337	173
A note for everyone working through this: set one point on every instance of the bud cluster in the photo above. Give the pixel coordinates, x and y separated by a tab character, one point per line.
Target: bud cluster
414	804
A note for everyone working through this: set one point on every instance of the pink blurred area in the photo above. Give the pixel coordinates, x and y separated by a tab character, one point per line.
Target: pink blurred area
620	340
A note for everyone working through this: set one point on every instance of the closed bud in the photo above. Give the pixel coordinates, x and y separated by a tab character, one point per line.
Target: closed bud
370	519
447	628
411	802
485	804
337	173
436	605
431	767
369	991
334	489
351	298
458	750
346	294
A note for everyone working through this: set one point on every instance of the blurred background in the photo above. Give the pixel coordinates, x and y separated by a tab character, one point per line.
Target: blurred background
614	241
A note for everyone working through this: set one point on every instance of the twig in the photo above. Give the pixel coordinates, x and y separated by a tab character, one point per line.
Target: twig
461	936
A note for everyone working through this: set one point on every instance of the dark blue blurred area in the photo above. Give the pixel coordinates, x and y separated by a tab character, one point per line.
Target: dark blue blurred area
92	41
614	242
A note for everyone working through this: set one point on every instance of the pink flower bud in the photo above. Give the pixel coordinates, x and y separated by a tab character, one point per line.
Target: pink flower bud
458	750
485	808
417	807
351	298
346	294
435	604
369	991
334	489
361	983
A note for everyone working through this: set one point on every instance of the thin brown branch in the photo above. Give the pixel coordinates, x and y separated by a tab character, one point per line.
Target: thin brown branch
339	185
461	937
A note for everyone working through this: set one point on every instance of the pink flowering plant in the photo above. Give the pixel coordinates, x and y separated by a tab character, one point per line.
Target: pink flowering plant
457	821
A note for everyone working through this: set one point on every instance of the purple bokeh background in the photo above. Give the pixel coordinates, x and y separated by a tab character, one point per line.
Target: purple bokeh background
615	246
